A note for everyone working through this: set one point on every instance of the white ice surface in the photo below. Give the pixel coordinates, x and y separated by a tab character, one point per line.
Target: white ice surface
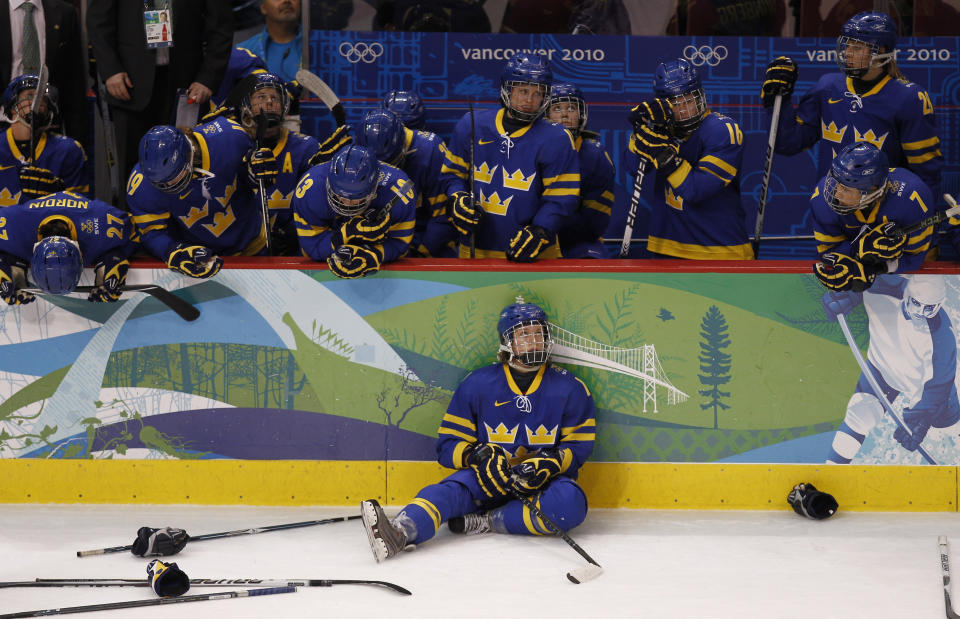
657	564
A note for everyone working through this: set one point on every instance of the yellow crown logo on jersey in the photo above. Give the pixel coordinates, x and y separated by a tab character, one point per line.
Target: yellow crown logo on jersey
492	203
830	132
227	193
517	180
501	434
7	198
871	137
195	214
542	436
673	199
279	200
484	174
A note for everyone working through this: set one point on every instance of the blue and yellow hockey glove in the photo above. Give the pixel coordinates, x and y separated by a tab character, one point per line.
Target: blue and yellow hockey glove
329	147
657	149
652	112
10	274
262	166
359	230
880	243
841	272
353	261
491	465
166	579
111	273
36	182
533	474
527	244
194	260
464	214
781	75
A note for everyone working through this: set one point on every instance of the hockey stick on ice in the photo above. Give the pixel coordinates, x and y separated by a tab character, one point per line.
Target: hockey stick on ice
201	582
877	391
206	536
632	213
151	602
317	86
767	167
945	567
184	309
579	575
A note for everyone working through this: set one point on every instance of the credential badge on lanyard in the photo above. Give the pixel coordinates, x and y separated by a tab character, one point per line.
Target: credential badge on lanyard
158	23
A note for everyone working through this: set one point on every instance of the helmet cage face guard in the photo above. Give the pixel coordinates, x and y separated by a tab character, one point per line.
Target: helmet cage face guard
20	109
182	180
246	103
679	104
581	111
529	347
868	198
877	58
339	205
506	89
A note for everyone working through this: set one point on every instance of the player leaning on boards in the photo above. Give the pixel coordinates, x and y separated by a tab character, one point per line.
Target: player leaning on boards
57	162
354	212
695	155
581	232
858	209
526	171
55	237
518	425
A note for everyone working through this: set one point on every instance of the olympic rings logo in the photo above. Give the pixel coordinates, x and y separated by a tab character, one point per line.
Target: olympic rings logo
361	52
705	54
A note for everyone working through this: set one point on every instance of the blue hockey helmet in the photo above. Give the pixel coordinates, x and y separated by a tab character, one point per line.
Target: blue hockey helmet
679	82
166	158
352	180
923	296
56	264
384	134
529	69
563	92
524	334
857	178
869	30
11	98
408	106
256	83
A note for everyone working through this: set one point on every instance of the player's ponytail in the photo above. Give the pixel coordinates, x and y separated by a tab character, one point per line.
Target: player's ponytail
894	71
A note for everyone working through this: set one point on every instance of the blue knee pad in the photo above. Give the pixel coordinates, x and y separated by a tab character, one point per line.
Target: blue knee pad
563	502
437	503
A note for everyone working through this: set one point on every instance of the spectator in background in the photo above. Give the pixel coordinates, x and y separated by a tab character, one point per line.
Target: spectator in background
37	32
435	16
280	43
142	81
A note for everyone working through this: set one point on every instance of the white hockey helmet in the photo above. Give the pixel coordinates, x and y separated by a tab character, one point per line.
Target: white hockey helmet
924	295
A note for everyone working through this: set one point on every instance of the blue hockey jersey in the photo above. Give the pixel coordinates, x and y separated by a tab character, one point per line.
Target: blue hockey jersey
580	234
61	155
293	152
219	210
696	212
908	200
425	154
317	223
528	177
488	406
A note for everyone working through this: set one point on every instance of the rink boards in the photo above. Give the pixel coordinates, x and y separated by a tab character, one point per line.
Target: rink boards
713	383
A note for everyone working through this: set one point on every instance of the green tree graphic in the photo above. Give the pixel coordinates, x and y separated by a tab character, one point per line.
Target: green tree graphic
714	363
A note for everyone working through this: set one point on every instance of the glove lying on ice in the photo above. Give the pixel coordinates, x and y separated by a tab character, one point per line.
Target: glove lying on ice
159	542
166	579
810	502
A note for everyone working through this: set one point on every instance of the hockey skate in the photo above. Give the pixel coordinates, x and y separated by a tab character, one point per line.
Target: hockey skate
471	524
386	539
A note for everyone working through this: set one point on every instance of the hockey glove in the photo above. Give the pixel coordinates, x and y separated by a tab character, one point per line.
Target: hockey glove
527	244
353	261
36	182
780	78
262	166
328	148
111	273
159	542
657	148
359	229
840	272
918	423
194	260
880	243
652	113
10	276
837	303
533	474
464	214
166	579
810	502
491	466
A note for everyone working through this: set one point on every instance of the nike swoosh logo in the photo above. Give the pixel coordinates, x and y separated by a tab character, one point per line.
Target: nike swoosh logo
495	403
185	195
834	100
6	167
482	142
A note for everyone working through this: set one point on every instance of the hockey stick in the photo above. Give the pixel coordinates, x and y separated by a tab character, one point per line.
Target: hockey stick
206	536
264	209
473	199
38	96
201	582
632	213
767	167
109	141
934	219
184	309
579	575
877	391
317	86
945	567
152	602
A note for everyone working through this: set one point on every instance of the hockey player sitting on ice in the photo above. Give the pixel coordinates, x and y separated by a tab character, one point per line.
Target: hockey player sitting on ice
517	426
408	105
191	196
869	100
580	234
420	154
694	156
526	172
58	163
858	209
54	237
912	355
354	212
